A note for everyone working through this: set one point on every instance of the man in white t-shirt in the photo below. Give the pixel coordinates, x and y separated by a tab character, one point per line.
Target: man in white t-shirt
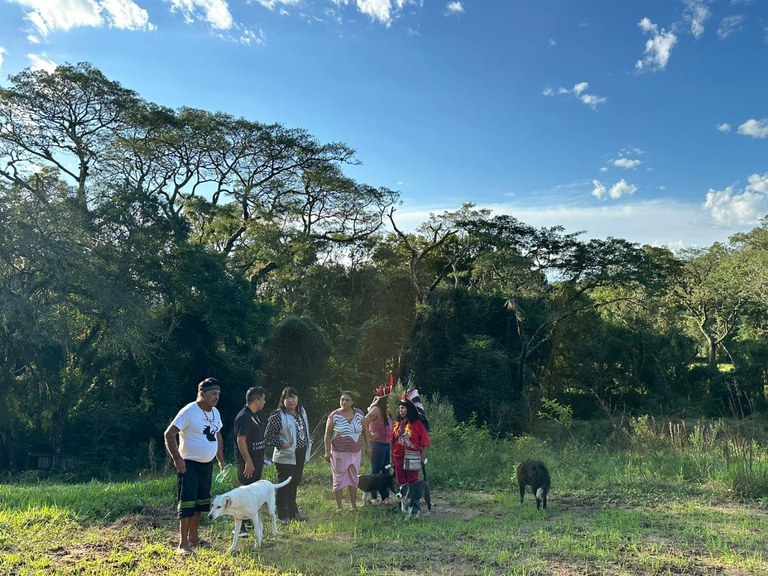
198	426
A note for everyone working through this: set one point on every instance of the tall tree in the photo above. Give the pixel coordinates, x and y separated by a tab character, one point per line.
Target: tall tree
62	119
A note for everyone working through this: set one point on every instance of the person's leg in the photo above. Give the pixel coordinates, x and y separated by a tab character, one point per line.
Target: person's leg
353	472
282	497
241	479
258	464
203	501
336	481
376	458
385	460
186	489
184	535
298	472
193	528
400	473
376	464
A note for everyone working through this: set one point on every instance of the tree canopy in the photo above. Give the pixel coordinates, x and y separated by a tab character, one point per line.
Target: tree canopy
144	248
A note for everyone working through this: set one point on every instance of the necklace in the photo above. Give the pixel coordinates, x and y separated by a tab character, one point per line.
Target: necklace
205	415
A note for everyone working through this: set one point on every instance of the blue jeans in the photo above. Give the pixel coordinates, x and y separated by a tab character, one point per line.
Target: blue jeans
379	461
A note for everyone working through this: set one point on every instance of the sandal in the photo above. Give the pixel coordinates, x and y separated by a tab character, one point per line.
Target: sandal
386	502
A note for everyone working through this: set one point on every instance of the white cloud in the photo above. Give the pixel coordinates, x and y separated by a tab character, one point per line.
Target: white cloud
619	189
658	49
249	37
214	12
599	190
38	62
724	127
2	56
454	8
51	15
754	128
592	100
659	222
626	163
729	26
272	3
385	11
758	183
622	188
744	208
127	15
578	90
664	222
696	13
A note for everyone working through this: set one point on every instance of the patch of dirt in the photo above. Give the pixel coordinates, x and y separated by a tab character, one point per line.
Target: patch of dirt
149	517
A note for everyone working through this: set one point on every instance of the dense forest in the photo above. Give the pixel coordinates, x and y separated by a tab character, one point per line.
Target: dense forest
144	248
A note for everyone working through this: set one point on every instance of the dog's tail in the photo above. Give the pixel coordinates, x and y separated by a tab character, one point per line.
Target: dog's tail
283	483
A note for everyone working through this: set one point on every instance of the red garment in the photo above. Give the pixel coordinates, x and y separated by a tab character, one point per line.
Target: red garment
407	436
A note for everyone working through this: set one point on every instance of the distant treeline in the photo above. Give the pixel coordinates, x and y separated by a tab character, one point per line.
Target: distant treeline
144	248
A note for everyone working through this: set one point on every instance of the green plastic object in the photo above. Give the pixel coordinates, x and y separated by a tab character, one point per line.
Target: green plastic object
226	477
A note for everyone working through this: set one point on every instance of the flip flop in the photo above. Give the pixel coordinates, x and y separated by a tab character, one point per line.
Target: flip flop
184	551
201	544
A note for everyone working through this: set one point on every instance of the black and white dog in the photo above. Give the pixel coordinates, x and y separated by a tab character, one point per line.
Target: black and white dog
409	496
373	483
534	473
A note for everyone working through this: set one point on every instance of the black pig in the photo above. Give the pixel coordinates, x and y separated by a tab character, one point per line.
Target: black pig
534	473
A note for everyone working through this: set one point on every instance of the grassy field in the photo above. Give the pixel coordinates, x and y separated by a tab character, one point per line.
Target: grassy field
694	504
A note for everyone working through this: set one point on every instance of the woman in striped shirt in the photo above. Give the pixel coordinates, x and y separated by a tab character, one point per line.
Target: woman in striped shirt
344	432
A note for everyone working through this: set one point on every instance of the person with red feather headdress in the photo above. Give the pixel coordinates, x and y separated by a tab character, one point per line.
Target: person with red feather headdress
379	422
410	434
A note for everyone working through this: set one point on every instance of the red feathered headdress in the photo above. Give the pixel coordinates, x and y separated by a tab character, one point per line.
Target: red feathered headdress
384	389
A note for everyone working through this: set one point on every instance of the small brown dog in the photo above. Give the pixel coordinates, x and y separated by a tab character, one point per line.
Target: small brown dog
534	473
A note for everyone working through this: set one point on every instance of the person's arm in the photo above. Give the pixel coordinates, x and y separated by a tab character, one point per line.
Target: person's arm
328	438
272	431
425	444
392	449
372	416
242	446
220	450
173	449
367	436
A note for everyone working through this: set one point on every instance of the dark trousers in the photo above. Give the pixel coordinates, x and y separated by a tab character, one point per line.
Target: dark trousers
286	496
193	489
379	461
258	468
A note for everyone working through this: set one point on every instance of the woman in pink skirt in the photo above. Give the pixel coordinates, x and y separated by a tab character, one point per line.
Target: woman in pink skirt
344	432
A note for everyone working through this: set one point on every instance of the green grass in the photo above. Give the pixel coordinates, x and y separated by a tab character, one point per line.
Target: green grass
654	506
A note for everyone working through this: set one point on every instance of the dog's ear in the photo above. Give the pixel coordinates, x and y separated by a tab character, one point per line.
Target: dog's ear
227	502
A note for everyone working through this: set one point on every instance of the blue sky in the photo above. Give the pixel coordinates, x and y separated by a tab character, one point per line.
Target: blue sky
646	120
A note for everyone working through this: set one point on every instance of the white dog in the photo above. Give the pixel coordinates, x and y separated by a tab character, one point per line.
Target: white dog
244	503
